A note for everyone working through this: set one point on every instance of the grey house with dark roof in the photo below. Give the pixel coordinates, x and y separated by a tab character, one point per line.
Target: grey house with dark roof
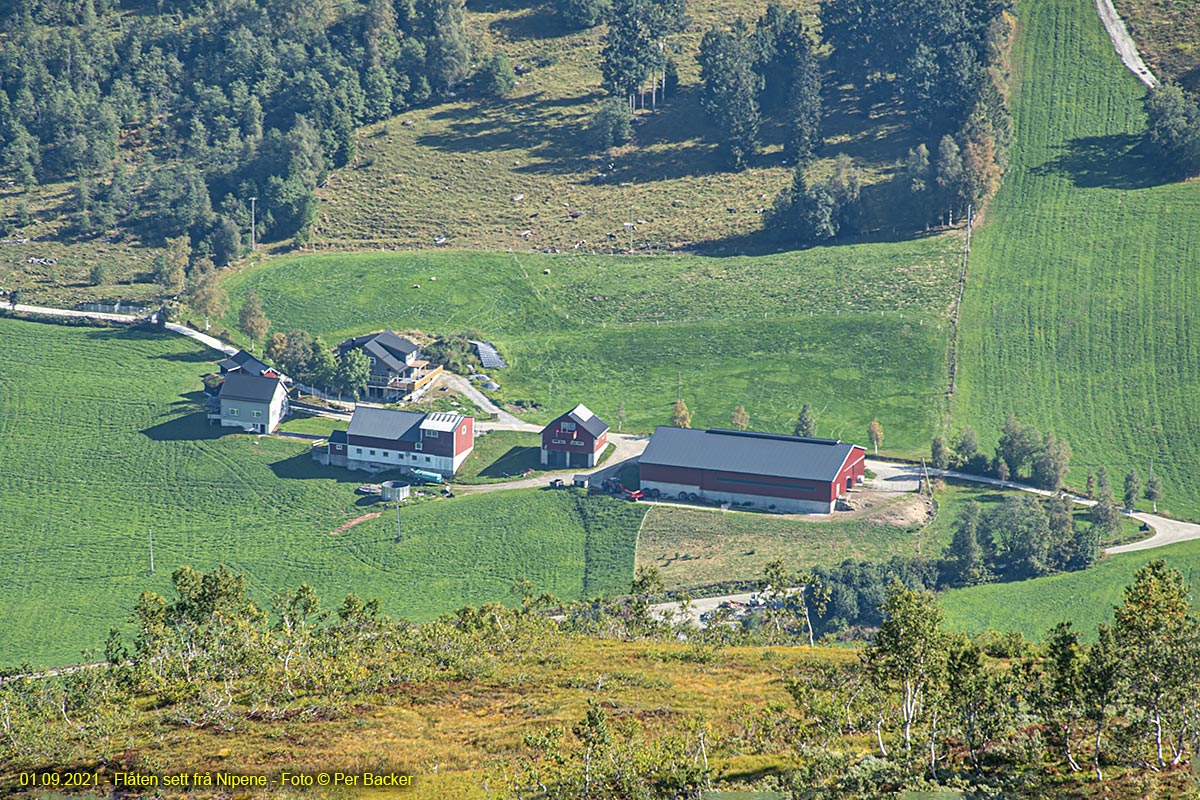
254	403
576	439
397	369
779	473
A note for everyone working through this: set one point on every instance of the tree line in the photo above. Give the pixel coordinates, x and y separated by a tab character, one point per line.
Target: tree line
169	123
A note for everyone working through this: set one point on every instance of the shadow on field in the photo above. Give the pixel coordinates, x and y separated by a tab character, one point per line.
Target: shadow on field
186	428
302	467
194	357
513	462
533	24
766	242
1118	161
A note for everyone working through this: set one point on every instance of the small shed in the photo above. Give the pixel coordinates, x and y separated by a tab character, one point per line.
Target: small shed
581	481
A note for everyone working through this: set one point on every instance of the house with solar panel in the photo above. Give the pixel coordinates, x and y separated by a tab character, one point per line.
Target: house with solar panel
791	474
397	369
576	439
381	439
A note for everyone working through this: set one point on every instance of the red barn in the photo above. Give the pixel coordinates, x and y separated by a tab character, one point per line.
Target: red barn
576	439
782	473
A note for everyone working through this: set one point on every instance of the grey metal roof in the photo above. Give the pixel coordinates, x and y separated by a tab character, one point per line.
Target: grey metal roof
244	386
385	423
582	416
747	452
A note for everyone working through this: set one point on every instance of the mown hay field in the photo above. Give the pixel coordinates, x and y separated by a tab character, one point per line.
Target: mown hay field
1080	309
857	331
105	442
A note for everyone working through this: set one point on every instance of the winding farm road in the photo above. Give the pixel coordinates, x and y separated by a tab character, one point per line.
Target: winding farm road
1124	43
906	477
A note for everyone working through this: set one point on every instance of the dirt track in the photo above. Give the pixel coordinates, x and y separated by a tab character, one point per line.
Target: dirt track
1126	48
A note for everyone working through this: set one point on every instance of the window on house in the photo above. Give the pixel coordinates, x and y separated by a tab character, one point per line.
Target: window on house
417	446
428	459
566	426
371	360
431	434
577	443
464	430
358	450
233	412
256	414
372	452
558	441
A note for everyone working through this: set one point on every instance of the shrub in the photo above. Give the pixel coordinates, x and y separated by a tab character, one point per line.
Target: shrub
495	77
611	125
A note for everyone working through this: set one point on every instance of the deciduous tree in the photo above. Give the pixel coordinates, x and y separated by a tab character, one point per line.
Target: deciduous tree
252	320
875	434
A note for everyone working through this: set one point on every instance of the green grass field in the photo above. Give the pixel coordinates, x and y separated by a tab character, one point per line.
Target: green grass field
858	331
110	444
1080	309
1082	598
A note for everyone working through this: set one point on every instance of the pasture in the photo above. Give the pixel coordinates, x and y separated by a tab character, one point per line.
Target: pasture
1080	308
110	444
693	547
858	331
1084	599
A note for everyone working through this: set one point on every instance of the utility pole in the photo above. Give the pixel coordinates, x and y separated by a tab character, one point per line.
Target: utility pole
678	385
631	230
1153	503
253	200
152	551
397	520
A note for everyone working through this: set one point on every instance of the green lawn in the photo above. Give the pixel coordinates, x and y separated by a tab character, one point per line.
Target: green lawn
858	331
498	452
1082	598
110	444
1080	309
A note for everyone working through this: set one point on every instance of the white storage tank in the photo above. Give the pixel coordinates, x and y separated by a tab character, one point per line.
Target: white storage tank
395	490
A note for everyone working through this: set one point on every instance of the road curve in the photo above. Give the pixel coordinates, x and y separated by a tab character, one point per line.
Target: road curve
904	477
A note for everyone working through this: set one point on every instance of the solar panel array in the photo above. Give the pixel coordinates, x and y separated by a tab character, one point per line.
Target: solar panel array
488	355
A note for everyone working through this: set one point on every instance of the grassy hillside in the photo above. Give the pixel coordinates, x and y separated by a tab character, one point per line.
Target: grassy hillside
454	169
1079	313
1167	33
1083	598
858	331
109	444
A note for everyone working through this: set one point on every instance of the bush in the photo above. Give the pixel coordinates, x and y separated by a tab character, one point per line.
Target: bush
99	275
495	77
582	13
611	125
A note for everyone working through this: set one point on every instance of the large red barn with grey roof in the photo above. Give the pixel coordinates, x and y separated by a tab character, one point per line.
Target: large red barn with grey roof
790	474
